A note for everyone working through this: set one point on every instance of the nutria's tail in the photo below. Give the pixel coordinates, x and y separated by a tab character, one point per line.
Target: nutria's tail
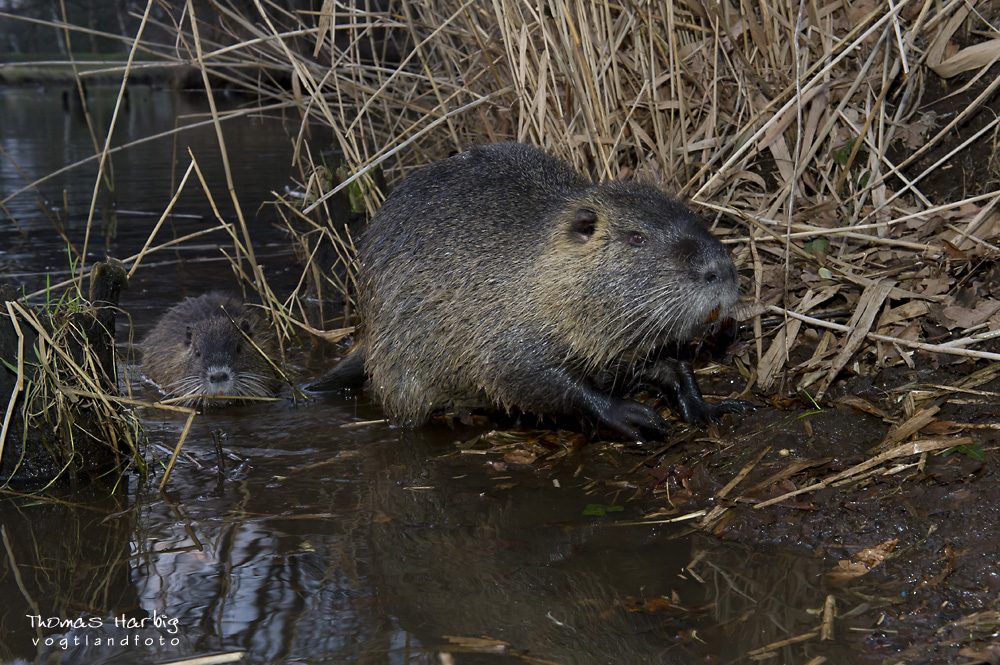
348	373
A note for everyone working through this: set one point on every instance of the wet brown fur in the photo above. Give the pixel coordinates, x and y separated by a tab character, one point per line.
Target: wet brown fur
500	276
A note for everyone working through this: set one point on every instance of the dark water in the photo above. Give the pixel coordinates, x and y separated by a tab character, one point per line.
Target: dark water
315	543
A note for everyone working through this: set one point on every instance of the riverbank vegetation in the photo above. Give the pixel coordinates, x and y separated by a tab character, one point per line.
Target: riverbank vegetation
845	152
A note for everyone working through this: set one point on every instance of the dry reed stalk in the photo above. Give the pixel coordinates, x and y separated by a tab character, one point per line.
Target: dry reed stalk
247	245
19	381
104	170
867	468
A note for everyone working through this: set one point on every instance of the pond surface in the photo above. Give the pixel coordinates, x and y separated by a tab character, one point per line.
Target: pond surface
290	537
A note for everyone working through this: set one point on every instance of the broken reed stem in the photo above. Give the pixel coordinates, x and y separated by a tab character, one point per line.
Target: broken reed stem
166	213
86	377
132	144
247	246
177	448
170	243
902	450
383	156
949	348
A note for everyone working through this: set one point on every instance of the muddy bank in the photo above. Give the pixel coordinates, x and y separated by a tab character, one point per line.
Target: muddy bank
902	537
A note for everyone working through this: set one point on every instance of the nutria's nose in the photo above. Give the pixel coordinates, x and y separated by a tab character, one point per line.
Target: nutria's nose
219	376
718	270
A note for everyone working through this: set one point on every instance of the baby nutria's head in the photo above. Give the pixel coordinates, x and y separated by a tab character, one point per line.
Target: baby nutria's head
632	270
217	359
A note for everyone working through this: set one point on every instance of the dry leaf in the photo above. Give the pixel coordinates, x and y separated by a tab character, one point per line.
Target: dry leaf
479	644
936	286
864	561
976	56
956	316
913	135
847	570
909	310
649	604
988	654
520	457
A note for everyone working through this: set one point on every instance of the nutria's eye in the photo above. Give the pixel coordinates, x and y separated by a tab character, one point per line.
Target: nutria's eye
637	239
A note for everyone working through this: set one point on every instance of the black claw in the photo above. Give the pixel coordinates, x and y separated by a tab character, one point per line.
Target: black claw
693	407
699	412
733	406
630	418
348	373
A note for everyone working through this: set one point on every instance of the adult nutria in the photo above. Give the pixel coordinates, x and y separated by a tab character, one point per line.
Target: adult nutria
195	349
500	276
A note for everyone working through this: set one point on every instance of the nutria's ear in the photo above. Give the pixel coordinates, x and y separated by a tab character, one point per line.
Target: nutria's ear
187	336
583	224
245	326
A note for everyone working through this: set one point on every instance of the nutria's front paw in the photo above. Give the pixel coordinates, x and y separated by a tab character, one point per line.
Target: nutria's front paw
698	411
630	418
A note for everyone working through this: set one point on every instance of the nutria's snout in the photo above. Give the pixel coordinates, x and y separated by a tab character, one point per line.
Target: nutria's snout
219	379
718	271
714	287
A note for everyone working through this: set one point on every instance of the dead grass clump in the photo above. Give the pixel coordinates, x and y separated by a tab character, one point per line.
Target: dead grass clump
64	416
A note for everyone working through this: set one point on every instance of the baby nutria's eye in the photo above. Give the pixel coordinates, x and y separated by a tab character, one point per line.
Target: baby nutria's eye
637	239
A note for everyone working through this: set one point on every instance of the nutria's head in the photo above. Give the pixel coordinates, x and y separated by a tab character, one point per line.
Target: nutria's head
631	269
218	359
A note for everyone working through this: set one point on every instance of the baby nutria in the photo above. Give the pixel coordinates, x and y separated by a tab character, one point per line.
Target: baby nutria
195	349
500	276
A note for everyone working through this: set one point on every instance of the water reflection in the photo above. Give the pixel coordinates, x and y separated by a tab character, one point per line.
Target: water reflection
327	544
40	138
338	544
